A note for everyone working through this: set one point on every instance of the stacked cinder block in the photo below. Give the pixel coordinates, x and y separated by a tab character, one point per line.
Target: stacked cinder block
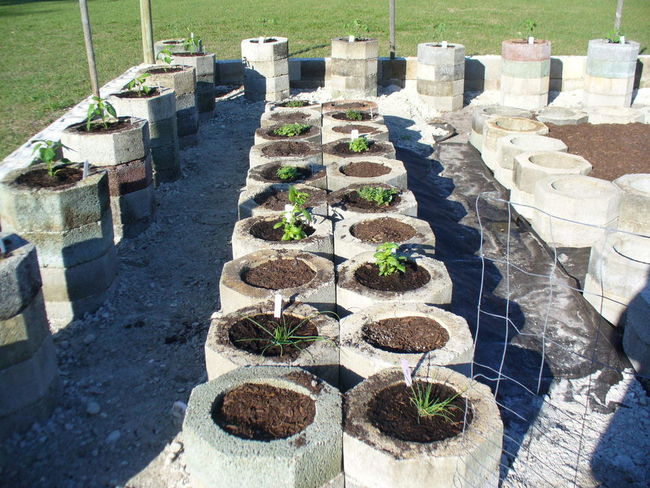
441	75
525	73
609	77
353	67
266	68
203	64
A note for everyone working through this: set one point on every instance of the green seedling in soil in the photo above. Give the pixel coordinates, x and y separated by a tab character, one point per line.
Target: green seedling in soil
358	28
293	222
193	44
291	130
296	103
380	196
529	26
165	56
439	31
139	86
48	153
287	172
428	405
353	115
613	36
359	145
389	260
101	109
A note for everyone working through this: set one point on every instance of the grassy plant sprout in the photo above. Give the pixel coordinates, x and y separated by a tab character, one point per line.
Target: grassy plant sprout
48	153
287	172
379	195
389	260
296	218
101	109
291	130
359	145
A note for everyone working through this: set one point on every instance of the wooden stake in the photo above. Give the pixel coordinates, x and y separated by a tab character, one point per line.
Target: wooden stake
146	23
391	14
90	50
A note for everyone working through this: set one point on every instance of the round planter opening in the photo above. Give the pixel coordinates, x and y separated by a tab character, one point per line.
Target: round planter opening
276	199
154	92
415	277
165	70
39	177
384	229
343	105
290	117
343	149
565	162
263	412
585	187
286	149
364	169
517	124
641	184
277	274
349	199
265	229
269	133
348	128
393	412
267	40
361	116
410	334
270	174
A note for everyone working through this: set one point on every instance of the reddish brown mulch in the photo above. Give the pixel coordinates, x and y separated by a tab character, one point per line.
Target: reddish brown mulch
392	412
302	378
290	117
406	334
277	200
286	148
271	174
278	274
384	229
264	412
343	149
39	178
365	169
353	201
247	335
264	230
612	149
415	276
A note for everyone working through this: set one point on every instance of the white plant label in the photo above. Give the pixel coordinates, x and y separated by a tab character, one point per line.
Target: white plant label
531	40
443	44
354	134
288	211
277	306
351	39
406	369
86	171
621	39
260	40
3	248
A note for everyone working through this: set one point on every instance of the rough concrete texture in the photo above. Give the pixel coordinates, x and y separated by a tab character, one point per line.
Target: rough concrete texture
274	117
319	357
312	155
481	113
262	135
354	104
318	178
272	48
282	108
330	121
512	145
19	275
561	116
249	207
202	63
370	130
433	54
360	359
614	115
573	210
107	148
236	293
633	212
346	245
619	269
133	212
219	459
174	46
636	337
407	204
376	460
525	73
330	156
352	296
320	242
343	49
499	126
155	108
337	179
182	81
609	74
523	51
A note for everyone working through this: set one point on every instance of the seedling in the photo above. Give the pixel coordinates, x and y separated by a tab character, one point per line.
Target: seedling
389	260
291	130
296	103
293	222
614	36
529	26
138	85
48	153
100	108
359	145
428	405
287	172
439	31
377	194
353	115
358	27
193	44
165	56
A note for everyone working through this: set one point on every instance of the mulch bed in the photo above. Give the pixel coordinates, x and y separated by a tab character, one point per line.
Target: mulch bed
384	229
406	334
365	169
613	149
284	149
392	412
264	412
264	230
270	174
247	335
415	276
39	178
278	274
343	149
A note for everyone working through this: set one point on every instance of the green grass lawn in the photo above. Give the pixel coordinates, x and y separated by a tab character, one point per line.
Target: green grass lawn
44	65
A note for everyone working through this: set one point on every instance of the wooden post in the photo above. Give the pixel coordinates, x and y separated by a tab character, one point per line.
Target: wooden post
90	50
619	14
147	31
391	15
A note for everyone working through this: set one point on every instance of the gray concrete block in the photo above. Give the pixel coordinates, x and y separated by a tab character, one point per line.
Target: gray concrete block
308	116
635	201
434	54
187	123
266	134
530	167
499	126
181	79
614	115
526	69
251	200
185	103
203	64
163	132
608	86
358	68
153	109
443	103
602	49
440	88
133	212
336	118
219	459
451	72
342	48
481	114
19	275
273	47
317	178
266	69
561	116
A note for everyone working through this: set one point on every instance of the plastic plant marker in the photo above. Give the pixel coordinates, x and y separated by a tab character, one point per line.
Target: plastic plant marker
406	369
443	44
86	170
351	38
277	306
354	134
531	40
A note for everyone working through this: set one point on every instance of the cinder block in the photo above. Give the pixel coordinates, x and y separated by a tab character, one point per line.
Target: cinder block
434	54
524	86
357	68
359	49
266	69
405	204
153	109
181	79
561	116
614	115
441	73
395	173
22	335
440	88
608	86
19	275
272	48
252	200
635	202
202	63
229	72
302	151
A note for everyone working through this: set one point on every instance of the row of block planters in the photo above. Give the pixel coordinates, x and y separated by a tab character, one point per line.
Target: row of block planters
299	435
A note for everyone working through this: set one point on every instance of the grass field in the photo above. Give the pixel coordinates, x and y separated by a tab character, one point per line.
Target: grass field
44	66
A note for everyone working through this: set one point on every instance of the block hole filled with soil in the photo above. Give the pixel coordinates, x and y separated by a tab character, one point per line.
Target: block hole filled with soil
277	274
383	229
413	278
413	334
365	169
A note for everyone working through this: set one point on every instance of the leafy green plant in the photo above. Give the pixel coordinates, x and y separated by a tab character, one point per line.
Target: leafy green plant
353	115
291	130
377	194
389	260
358	27
359	145
287	172
138	84
428	405
48	153
439	31
296	103
614	36
102	109
529	26
165	56
193	44
294	221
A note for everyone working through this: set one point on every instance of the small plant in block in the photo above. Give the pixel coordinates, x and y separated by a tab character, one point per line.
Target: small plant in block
291	130
378	195
295	220
48	153
389	260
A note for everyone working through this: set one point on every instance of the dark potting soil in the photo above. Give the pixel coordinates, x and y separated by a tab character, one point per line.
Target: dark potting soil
110	128
343	149
294	104
384	229
348	105
165	69
277	200
364	116
263	412
248	334
188	55
348	128
302	378
406	334
612	149
137	94
365	169
270	135
415	276
392	412
39	178
353	201
289	117
278	274
271	174
286	148
266	40
263	229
